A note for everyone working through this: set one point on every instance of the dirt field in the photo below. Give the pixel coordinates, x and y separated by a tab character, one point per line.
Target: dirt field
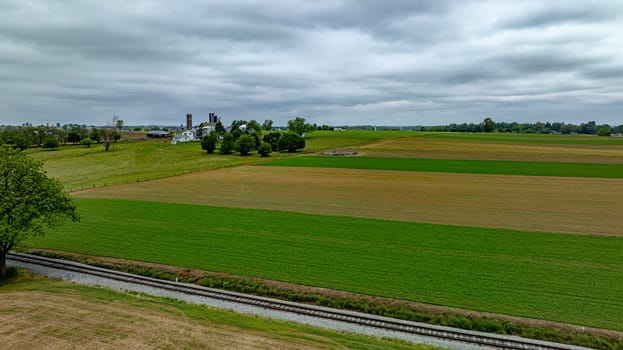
553	204
74	320
419	147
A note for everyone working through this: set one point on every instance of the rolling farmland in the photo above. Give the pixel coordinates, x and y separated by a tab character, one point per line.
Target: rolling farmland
450	220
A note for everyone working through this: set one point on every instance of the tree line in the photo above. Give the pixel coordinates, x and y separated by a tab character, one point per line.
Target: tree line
489	125
22	137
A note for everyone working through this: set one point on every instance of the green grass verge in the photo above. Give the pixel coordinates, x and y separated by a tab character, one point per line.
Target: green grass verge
566	278
457	166
172	308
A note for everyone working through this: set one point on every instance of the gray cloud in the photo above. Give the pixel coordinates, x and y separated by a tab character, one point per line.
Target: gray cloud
335	62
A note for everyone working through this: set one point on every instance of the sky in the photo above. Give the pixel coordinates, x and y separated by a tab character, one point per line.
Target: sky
365	62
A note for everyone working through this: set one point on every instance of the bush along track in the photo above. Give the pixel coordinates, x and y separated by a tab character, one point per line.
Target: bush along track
484	322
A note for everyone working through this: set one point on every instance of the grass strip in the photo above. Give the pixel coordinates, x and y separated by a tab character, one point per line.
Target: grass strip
564	278
376	306
457	166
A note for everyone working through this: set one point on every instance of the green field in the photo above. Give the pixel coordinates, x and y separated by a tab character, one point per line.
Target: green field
529	138
488	137
566	278
78	167
457	166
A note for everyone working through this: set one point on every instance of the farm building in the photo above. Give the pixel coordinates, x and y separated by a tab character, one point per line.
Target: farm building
184	136
157	134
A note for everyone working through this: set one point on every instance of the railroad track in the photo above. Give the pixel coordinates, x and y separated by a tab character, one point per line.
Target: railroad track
384	323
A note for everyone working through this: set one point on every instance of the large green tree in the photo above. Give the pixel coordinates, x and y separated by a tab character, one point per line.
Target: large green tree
209	142
488	125
245	144
299	126
30	201
291	142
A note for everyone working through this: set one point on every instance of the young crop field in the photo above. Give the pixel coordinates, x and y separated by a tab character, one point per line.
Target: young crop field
440	148
60	315
555	204
529	138
457	166
565	278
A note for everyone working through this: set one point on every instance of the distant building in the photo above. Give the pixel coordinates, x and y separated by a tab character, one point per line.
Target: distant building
184	136
157	134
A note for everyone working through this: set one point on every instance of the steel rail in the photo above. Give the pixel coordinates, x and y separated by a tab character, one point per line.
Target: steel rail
385	323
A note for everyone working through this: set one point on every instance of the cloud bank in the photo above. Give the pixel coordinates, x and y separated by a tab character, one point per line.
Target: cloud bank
333	62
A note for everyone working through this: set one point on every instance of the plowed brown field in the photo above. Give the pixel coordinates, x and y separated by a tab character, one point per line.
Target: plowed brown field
573	205
420	147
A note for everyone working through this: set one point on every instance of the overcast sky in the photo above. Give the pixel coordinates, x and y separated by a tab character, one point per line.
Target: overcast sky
333	62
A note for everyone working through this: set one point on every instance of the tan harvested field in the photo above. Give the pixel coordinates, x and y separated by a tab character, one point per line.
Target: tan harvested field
420	147
553	204
75	318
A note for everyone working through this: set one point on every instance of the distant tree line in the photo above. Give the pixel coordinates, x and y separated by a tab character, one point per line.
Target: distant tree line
25	136
589	128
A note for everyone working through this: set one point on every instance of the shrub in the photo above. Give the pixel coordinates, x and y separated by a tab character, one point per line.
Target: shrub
265	149
50	142
87	141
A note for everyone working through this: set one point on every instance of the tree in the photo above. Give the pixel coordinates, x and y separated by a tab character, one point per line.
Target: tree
119	124
253	126
265	149
208	142
86	142
273	139
291	142
267	125
227	145
106	135
245	144
50	142
257	138
21	142
298	126
219	128
488	125
73	137
30	201
604	132
95	135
